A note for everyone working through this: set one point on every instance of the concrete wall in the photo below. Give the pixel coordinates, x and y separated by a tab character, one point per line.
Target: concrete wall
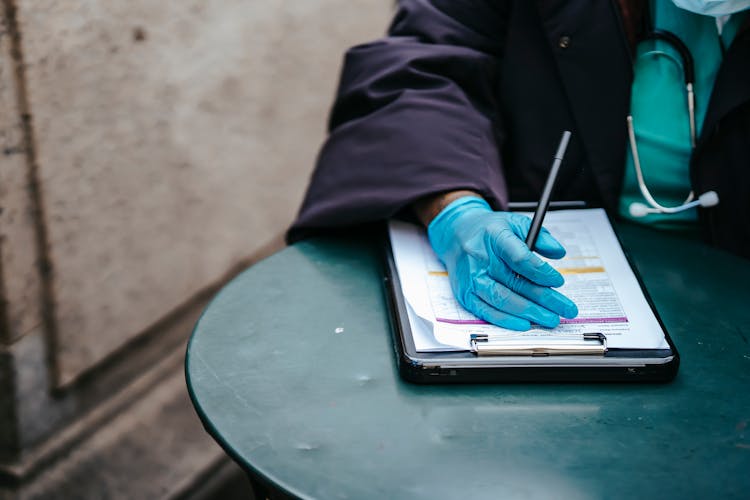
147	148
173	139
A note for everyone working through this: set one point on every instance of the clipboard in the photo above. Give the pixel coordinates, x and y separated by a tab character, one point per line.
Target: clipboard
588	359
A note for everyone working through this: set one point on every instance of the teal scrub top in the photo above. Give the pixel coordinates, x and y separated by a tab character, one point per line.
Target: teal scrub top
660	112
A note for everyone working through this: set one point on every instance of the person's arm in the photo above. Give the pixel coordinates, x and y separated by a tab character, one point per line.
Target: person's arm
414	127
415	115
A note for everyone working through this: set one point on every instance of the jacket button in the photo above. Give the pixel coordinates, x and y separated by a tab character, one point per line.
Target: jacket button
564	42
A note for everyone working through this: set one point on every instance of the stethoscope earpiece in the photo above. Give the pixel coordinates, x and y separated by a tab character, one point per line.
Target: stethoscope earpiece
707	199
637	209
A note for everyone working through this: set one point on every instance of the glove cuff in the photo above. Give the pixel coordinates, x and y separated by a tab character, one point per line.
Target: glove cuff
439	231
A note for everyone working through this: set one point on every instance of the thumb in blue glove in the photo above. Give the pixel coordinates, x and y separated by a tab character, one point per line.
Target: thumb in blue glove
492	272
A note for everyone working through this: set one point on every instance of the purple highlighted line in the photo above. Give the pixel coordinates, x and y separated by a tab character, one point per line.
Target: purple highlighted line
563	321
576	321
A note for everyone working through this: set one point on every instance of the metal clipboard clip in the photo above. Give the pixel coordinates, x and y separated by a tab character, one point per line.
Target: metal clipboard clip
593	343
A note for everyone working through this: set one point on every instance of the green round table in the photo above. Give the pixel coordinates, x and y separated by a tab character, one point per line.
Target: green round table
292	370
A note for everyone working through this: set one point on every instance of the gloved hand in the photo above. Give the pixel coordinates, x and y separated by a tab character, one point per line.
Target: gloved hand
492	272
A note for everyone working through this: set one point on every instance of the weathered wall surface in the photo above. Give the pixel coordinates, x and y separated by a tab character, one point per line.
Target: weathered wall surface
19	274
173	139
146	149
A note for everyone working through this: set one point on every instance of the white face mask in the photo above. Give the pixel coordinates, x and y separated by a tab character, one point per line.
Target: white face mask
714	8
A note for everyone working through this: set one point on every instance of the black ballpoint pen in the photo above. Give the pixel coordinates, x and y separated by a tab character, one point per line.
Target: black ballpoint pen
541	209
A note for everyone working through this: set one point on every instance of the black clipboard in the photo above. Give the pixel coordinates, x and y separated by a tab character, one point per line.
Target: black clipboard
450	367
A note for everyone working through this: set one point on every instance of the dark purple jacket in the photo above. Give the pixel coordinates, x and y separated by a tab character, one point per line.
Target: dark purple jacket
473	94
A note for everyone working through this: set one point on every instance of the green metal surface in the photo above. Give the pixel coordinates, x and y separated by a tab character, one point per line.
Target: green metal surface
292	370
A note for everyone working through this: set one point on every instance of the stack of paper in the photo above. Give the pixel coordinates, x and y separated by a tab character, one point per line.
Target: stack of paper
597	278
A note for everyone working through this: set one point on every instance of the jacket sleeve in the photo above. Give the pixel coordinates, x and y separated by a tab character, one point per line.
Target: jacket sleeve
415	114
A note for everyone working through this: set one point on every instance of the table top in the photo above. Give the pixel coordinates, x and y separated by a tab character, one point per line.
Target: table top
292	370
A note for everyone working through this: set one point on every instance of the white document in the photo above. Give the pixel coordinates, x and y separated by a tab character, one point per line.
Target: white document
597	278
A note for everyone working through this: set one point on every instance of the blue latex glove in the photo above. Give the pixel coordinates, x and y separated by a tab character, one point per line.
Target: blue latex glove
492	272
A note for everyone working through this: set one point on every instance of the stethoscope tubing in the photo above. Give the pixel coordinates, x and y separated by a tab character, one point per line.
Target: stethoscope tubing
688	69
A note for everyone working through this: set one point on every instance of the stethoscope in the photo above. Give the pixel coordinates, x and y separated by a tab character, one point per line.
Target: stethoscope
707	199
